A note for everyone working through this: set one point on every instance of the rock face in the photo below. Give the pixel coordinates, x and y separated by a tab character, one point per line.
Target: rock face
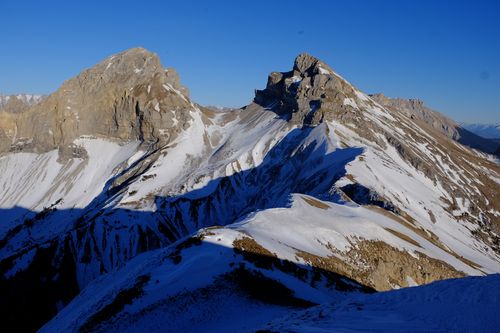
129	96
415	109
306	93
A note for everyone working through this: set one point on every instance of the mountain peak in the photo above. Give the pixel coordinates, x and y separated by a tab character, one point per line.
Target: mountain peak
137	55
132	64
309	65
127	96
306	92
138	65
136	50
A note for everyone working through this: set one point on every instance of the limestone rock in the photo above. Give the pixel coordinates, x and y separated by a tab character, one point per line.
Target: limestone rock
128	96
308	93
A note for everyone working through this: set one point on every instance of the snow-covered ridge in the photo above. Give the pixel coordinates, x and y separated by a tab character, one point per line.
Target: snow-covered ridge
28	99
469	304
330	182
176	277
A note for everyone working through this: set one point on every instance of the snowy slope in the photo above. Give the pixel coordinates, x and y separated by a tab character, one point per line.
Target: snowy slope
196	285
323	178
206	275
36	180
462	305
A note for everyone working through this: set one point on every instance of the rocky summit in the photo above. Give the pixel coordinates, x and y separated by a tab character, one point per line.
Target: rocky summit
306	94
128	96
127	207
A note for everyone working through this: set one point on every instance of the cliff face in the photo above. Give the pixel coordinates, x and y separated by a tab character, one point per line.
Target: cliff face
308	93
129	96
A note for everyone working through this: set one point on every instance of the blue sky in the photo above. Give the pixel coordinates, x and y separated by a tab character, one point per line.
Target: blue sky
444	52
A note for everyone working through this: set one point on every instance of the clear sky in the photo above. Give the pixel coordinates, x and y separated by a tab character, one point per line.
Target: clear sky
444	52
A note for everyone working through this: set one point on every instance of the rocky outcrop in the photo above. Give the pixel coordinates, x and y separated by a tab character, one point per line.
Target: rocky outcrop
307	93
382	267
128	96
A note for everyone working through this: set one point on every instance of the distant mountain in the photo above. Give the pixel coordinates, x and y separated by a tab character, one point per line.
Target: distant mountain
19	102
415	109
127	207
489	131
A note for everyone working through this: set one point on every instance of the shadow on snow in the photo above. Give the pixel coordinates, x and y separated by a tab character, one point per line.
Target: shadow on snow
47	257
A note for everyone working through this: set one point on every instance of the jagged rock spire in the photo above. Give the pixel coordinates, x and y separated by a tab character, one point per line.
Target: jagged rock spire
306	92
308	65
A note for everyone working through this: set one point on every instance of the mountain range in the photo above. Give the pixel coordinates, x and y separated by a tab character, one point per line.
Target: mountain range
489	131
126	206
